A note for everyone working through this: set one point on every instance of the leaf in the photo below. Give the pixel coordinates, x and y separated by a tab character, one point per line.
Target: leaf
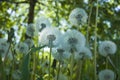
37	48
25	68
34	49
25	63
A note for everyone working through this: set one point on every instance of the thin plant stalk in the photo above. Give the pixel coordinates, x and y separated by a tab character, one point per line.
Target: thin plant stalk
95	44
50	42
34	65
71	66
57	11
42	55
13	63
112	64
115	68
106	62
88	25
58	70
80	69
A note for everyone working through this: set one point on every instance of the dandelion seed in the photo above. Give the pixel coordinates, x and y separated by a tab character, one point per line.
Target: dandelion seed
59	53
78	16
50	34
22	48
83	53
29	42
42	23
73	39
106	75
30	30
107	47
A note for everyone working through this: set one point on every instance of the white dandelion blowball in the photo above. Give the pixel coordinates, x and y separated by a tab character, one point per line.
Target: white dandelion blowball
106	75
83	53
29	42
50	34
74	39
78	16
107	47
60	53
30	30
42	23
22	47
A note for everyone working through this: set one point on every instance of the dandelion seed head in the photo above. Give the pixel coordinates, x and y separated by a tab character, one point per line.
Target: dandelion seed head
51	37
73	39
106	75
50	34
42	23
78	16
60	53
59	50
107	47
29	42
83	53
22	47
30	30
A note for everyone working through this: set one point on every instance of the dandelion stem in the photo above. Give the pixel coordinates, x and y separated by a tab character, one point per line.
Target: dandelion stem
112	64
50	42
80	69
88	25
42	55
58	70
34	64
106	62
71	66
95	44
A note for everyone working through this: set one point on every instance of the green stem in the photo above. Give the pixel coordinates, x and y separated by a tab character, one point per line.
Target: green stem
57	11
87	37
58	70
80	69
112	64
50	57
34	64
71	66
106	62
95	44
42	55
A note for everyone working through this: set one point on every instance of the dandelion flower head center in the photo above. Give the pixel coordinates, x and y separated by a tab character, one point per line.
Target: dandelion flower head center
28	42
3	44
78	17
60	51
51	37
72	41
43	25
31	29
107	77
107	48
2	50
82	54
21	48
